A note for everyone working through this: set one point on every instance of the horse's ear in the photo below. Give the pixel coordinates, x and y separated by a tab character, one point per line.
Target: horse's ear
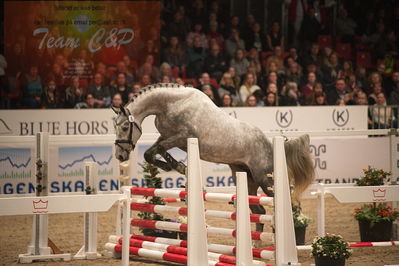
117	110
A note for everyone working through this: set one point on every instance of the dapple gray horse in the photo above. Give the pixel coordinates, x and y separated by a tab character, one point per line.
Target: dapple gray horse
184	112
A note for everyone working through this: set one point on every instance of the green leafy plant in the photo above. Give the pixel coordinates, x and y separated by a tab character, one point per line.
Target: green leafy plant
376	213
300	220
332	246
152	181
373	177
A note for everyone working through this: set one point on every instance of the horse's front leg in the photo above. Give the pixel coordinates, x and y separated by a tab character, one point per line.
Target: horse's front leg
178	166
150	154
160	147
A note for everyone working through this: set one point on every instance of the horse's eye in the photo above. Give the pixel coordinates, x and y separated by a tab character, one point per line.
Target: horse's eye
125	128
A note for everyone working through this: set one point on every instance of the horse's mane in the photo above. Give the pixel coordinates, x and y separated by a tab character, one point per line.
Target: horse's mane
153	87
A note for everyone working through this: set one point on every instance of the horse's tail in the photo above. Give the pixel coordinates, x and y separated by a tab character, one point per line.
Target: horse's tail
299	164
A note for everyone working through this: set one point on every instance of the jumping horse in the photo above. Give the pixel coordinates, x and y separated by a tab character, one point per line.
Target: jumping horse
184	112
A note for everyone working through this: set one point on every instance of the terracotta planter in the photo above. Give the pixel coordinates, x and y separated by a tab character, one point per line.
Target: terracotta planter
300	233
381	231
327	261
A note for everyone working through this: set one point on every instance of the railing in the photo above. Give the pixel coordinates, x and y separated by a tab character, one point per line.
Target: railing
381	117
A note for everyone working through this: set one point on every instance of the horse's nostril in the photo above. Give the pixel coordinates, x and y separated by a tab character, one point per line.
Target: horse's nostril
120	158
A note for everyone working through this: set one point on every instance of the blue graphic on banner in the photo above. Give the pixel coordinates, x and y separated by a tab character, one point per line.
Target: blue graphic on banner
15	163
71	160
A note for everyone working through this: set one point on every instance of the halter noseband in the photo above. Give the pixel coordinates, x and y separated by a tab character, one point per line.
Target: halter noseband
129	141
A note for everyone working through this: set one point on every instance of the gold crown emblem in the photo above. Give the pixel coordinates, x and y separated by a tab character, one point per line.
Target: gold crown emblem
379	193
40	205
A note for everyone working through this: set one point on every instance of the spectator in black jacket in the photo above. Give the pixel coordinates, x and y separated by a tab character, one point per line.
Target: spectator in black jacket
215	63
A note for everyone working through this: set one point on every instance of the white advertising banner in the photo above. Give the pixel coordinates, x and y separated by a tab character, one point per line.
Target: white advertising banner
88	135
99	121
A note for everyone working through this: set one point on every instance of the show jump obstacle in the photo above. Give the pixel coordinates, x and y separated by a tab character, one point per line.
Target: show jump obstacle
196	251
41	205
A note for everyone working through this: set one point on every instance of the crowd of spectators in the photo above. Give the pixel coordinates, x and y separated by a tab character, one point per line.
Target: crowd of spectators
234	62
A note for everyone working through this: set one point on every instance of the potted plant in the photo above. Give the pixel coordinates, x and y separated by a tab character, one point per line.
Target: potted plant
153	181
330	250
375	220
301	221
373	177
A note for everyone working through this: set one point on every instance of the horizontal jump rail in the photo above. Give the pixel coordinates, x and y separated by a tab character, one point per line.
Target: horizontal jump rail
218	248
165	209
180	227
180	250
208	196
160	255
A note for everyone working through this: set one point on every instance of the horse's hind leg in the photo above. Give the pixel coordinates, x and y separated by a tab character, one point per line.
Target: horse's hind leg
252	190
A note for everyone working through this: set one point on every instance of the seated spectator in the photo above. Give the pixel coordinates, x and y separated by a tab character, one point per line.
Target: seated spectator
234	25
150	49
73	94
89	103
374	80
273	78
150	68
84	67
331	70
294	73
166	71
313	56
361	77
197	33
346	69
206	81
32	88
117	100
228	87
101	92
376	89
307	89
293	53
145	80
196	57
337	93
311	98
275	37
361	98
253	59
381	115
276	57
255	39
239	62
226	101
208	91
270	99
319	99
251	101
394	96
290	95
174	54
233	43
214	34
215	63
248	87
122	88
50	98
122	68
236	78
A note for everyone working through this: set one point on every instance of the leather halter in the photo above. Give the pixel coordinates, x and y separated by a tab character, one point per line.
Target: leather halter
129	140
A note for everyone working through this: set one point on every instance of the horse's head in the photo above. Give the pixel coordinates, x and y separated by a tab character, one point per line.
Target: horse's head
127	132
